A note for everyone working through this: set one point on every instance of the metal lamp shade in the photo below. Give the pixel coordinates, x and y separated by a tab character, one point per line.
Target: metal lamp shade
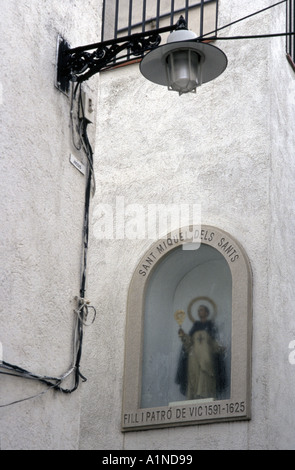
183	65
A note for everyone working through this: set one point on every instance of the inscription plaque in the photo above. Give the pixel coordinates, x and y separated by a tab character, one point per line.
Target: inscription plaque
188	332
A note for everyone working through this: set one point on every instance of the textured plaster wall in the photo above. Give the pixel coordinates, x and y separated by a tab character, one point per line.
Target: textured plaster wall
230	149
42	202
281	252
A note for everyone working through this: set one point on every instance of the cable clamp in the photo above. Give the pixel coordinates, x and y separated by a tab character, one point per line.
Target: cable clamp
85	310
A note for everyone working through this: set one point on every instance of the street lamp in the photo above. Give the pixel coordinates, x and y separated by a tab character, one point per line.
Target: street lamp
183	64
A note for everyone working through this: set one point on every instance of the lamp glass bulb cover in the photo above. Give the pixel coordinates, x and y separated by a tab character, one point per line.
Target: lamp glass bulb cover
184	70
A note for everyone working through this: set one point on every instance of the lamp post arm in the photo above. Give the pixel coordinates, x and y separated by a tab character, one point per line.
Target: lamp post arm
78	64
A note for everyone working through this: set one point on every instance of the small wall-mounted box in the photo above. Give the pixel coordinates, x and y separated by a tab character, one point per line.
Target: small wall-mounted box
86	109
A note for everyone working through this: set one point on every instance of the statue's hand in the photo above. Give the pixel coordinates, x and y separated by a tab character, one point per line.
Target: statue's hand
180	332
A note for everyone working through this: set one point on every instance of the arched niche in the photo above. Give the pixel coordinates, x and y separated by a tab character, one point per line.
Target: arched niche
164	383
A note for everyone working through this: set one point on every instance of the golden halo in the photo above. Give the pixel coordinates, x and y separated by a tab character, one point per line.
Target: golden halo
197	299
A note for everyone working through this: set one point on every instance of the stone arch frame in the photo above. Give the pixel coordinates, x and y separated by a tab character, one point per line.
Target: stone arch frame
238	405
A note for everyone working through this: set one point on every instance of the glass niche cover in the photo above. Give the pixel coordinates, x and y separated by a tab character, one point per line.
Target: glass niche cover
190	322
187	354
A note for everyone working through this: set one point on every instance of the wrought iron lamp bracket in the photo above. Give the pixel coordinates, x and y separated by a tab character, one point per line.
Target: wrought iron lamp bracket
79	64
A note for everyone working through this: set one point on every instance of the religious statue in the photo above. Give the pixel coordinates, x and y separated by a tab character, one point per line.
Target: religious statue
200	372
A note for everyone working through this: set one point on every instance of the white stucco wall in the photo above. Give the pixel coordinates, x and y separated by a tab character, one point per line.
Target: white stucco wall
42	203
223	148
281	253
229	148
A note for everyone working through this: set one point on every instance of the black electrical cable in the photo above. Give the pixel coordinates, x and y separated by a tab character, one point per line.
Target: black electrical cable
241	19
254	36
56	382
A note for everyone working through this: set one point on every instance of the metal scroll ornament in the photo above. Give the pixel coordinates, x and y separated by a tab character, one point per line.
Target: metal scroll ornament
79	65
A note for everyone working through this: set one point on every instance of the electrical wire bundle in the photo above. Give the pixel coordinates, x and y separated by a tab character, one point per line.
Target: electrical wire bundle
84	309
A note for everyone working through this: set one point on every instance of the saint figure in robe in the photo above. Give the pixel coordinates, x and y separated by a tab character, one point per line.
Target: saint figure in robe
200	372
